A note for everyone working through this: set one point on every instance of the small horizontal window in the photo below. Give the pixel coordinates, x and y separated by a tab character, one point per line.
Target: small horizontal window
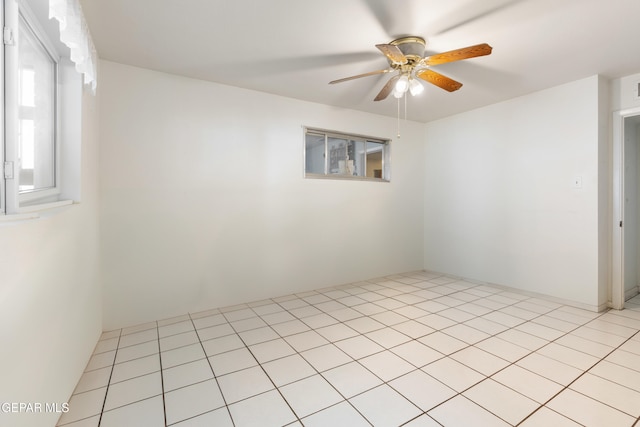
329	154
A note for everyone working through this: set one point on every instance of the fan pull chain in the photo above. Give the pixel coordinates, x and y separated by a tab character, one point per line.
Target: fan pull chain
405	107
398	118
405	112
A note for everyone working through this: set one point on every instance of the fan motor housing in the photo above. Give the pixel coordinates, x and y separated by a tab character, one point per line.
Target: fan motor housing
412	47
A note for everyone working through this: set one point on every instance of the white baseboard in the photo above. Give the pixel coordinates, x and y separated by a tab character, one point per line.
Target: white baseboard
630	293
583	306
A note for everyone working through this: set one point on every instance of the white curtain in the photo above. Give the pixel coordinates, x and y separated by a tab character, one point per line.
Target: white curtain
74	33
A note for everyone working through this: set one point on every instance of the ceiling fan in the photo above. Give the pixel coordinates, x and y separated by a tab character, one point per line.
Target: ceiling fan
406	56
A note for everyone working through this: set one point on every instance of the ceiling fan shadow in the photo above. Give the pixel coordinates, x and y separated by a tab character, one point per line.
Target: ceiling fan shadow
468	14
392	16
402	17
277	66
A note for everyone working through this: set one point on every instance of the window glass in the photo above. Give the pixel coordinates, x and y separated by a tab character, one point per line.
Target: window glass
36	113
314	149
374	159
337	148
341	156
356	162
42	118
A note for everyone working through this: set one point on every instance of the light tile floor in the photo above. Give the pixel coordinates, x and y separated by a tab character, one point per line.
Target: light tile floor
415	349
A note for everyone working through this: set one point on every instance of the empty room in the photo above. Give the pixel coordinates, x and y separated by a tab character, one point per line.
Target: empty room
340	213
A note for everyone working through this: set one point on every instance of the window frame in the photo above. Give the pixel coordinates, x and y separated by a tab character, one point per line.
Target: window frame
13	201
386	155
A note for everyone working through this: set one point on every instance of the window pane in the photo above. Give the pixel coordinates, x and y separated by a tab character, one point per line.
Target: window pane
374	159
36	113
314	153
356	160
343	156
337	155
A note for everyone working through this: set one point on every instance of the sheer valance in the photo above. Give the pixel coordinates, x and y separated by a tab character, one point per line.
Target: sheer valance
74	33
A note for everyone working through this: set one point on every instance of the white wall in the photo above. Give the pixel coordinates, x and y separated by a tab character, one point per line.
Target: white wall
624	92
204	204
50	310
499	201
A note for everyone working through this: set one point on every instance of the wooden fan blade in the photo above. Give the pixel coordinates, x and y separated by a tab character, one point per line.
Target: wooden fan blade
458	54
387	89
439	80
371	73
392	52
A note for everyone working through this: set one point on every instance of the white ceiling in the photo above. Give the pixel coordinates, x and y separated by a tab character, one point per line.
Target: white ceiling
294	48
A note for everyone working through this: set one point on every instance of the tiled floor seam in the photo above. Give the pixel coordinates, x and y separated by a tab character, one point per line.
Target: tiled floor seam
510	364
383	382
577	378
574	380
224	399
299	419
468	345
164	406
113	365
461	393
562	330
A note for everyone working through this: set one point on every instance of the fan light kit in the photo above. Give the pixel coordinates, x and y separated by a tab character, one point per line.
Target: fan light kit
406	57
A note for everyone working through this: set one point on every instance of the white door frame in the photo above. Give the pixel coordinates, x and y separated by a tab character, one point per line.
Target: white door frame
617	232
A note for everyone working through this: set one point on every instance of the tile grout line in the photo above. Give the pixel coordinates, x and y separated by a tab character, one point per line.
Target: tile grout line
298	419
106	393
164	405
473	345
454	291
224	400
446	356
524	321
452	295
532	352
385	326
580	376
296	352
553	341
512	363
345	399
389	284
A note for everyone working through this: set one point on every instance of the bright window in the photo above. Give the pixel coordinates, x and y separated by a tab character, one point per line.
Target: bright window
337	155
37	82
40	157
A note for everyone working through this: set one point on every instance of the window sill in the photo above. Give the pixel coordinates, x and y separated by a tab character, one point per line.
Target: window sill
35	212
337	176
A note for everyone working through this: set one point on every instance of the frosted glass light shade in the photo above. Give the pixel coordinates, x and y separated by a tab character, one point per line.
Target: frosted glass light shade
415	87
403	84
